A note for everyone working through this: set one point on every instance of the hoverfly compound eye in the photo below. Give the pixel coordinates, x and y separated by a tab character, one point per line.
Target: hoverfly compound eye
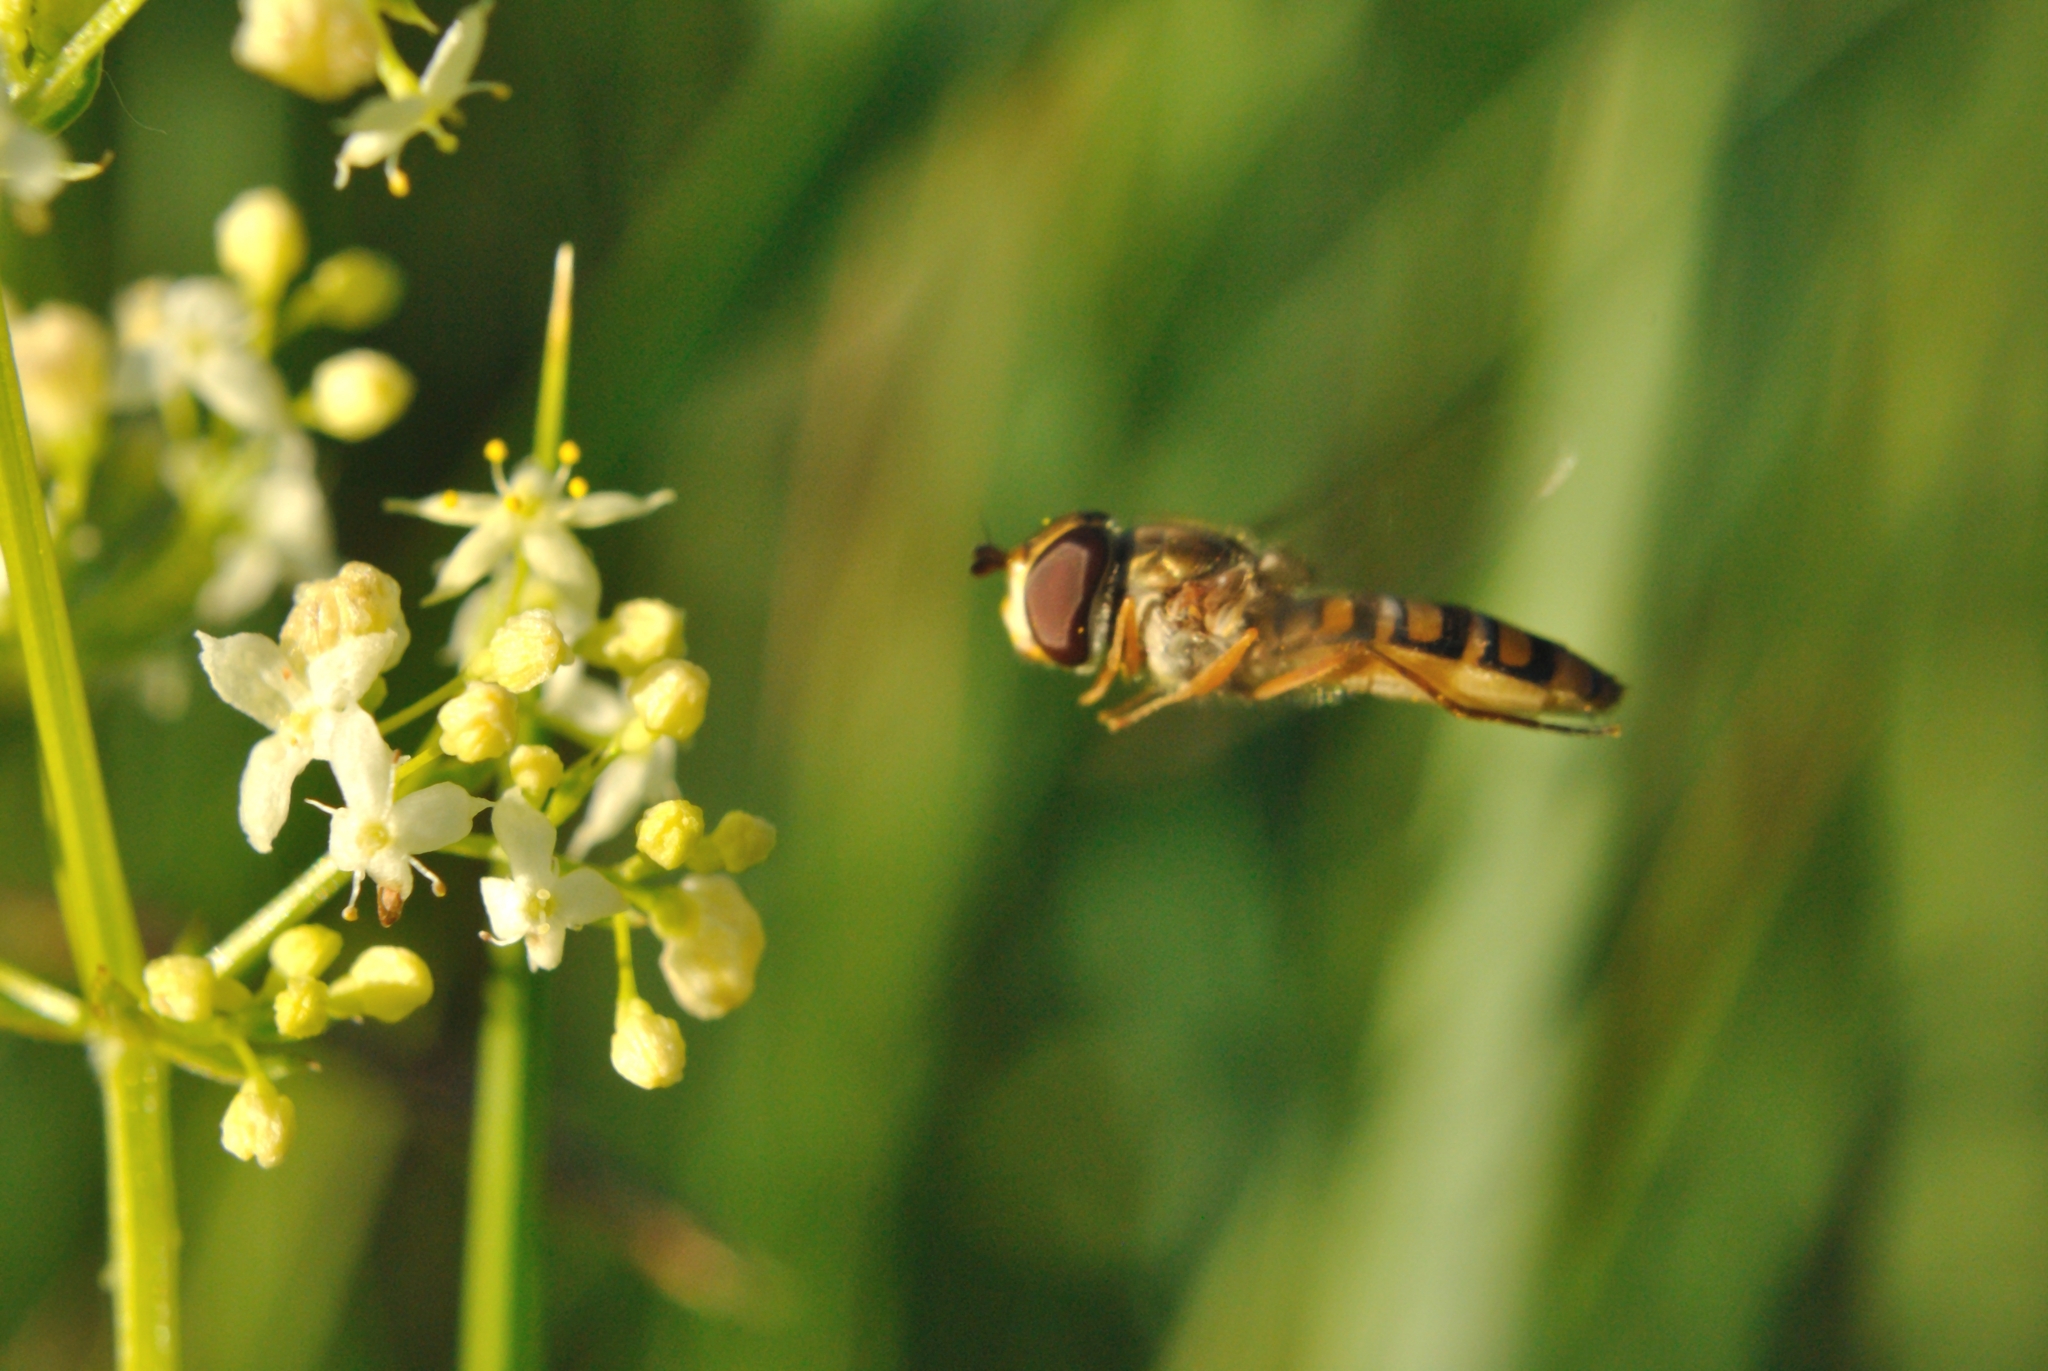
1059	593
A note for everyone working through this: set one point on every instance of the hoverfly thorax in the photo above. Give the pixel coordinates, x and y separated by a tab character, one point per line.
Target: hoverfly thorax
1061	583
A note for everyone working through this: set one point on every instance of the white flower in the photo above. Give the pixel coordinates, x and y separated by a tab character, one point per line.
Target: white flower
196	334
376	836
323	49
61	352
629	784
283	535
529	515
34	166
381	127
538	903
311	712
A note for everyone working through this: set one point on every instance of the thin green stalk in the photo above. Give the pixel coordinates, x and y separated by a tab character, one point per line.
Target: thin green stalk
554	364
58	1009
500	1315
77	53
241	949
420	706
99	922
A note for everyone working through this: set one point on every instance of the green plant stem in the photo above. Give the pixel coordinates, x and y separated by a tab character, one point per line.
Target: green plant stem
78	51
554	362
500	1329
622	947
241	949
59	1010
92	894
421	706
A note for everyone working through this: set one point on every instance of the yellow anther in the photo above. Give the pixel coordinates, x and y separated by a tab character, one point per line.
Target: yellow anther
495	451
400	183
450	499
578	487
569	453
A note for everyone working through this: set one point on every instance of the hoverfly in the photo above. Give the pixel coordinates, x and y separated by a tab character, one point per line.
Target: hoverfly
1192	611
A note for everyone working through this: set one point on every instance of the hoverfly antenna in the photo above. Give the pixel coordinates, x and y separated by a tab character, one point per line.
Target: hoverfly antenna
987	558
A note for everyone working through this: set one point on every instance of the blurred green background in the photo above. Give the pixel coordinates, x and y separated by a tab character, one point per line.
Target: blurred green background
1351	1038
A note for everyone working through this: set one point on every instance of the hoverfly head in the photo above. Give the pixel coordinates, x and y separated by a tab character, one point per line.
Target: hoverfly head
1056	588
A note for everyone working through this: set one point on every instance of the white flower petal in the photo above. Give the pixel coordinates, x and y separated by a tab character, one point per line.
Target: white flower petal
544	947
274	763
430	819
390	867
379	117
611	507
479	552
527	837
339	676
505	905
614	803
361	760
455	56
247	570
248	671
572	696
583	896
468	509
241	388
555	555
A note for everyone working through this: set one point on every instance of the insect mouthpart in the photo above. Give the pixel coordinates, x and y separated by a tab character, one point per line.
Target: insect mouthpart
988	558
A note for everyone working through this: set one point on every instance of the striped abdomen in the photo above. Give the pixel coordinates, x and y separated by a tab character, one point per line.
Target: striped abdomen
1473	657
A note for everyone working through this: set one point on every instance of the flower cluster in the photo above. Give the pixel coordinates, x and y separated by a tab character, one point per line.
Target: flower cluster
538	672
327	49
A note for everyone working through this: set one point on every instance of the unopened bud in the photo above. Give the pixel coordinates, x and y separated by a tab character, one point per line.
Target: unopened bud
353	290
526	650
301	1008
359	393
306	950
710	960
354	603
61	352
536	769
323	49
261	242
647	1048
180	988
669	698
259	1124
386	983
638	634
667	832
478	724
740	841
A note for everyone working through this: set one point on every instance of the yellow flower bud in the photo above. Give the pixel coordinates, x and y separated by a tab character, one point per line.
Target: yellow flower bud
305	951
359	393
638	634
669	698
301	1008
353	290
358	601
647	1048
259	1124
478	724
536	770
229	995
261	242
740	841
667	832
526	650
61	352
323	49
710	961
385	983
180	988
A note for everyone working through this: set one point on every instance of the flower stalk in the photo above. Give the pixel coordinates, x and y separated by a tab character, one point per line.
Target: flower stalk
501	1328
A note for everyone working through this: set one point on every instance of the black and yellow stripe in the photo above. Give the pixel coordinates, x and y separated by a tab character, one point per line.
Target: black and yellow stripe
1457	634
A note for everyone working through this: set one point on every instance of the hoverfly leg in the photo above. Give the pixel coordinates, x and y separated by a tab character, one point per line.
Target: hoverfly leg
1451	706
1113	662
1339	663
1208	680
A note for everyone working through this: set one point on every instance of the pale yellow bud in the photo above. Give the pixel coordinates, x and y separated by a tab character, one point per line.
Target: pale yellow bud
358	601
647	1048
353	290
478	724
305	951
259	1124
301	1008
385	983
667	832
536	770
526	650
710	959
638	634
740	841
261	242
139	313
359	393
180	988
61	352
669	698
323	49
229	995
